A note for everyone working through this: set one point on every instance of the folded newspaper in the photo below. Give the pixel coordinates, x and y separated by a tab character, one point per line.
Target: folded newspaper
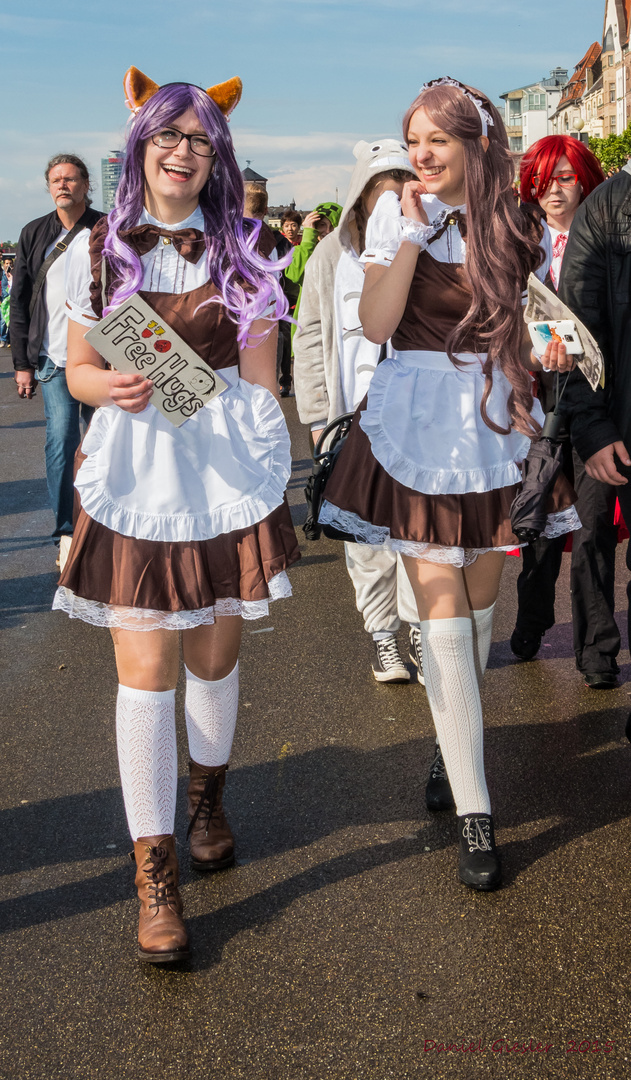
544	306
134	339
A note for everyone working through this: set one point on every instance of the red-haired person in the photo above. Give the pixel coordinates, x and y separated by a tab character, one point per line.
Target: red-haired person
432	460
557	173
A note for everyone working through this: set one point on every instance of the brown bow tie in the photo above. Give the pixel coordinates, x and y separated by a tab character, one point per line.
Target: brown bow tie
454	218
189	243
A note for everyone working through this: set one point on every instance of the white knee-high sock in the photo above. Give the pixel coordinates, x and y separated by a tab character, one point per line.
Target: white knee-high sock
211	716
147	758
482	631
454	697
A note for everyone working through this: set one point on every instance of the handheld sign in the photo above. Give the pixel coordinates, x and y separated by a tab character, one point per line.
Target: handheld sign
134	339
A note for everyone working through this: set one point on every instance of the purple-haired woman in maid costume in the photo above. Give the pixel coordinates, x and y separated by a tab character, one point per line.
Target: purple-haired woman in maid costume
432	462
180	528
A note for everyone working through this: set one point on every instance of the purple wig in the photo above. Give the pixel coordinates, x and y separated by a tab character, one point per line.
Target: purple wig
245	280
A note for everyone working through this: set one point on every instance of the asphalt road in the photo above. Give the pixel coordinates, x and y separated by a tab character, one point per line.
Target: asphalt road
342	945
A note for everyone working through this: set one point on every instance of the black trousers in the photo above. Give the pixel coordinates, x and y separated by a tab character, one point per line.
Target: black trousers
283	355
624	498
596	635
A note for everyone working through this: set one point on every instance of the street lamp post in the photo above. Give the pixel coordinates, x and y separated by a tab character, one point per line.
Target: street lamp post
578	124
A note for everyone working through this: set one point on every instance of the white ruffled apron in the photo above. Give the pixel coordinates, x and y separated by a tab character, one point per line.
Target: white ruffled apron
224	469
425	428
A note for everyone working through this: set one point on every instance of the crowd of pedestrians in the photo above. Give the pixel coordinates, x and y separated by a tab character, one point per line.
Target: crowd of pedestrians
403	307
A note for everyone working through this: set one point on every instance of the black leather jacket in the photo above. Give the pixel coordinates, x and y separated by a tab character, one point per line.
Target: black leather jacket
27	332
596	284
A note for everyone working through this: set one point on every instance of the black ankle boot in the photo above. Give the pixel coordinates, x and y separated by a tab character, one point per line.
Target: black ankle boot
479	866
438	794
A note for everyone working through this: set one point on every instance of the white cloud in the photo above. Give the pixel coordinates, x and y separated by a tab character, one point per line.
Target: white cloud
310	185
24	194
314	143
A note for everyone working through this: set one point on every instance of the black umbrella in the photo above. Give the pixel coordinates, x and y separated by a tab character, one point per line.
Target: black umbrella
543	464
321	474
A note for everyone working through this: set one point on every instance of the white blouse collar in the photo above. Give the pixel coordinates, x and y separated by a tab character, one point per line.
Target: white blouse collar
193	221
434	206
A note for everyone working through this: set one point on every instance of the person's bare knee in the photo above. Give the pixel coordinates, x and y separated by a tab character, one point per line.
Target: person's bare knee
211	652
482	579
438	588
147	660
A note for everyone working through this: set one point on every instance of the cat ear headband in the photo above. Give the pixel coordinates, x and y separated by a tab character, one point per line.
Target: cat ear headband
485	117
139	88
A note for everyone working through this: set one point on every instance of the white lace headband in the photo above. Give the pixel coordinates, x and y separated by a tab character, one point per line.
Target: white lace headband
485	117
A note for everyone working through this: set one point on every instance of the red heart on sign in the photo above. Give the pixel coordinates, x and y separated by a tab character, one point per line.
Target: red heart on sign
162	346
147	333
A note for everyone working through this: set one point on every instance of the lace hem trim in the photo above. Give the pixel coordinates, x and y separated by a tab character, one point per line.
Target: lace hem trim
563	521
128	618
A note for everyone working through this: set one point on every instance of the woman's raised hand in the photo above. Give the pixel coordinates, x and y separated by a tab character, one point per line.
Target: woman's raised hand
129	392
411	205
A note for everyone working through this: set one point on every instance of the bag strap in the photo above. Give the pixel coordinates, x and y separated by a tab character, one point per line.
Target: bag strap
59	248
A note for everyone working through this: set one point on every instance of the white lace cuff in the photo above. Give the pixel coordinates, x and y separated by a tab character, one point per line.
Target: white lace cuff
417	232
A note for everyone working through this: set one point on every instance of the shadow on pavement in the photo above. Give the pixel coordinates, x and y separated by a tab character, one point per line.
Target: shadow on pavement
25	595
22	496
25	424
575	772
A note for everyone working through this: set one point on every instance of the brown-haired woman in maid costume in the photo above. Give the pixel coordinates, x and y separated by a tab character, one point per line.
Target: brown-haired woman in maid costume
431	465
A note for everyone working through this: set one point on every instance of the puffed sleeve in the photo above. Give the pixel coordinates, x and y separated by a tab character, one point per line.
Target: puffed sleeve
78	278
383	231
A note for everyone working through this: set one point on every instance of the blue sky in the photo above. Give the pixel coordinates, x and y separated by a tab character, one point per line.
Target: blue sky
318	75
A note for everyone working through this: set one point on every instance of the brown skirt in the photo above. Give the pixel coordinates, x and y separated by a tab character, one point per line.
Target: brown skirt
361	486
122	571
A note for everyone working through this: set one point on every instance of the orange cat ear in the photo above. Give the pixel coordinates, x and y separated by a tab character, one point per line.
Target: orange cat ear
226	94
138	88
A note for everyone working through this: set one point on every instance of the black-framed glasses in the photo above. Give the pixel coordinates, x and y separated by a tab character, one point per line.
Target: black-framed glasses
169	138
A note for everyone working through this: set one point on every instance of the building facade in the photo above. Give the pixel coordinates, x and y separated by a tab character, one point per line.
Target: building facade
111	169
599	90
527	109
570	112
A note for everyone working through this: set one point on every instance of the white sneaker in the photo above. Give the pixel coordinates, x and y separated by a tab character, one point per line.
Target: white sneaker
387	665
416	652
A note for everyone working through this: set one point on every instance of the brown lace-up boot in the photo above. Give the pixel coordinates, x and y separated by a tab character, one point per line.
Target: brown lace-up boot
212	842
162	936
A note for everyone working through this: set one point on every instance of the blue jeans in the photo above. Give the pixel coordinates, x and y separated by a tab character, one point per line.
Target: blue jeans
63	435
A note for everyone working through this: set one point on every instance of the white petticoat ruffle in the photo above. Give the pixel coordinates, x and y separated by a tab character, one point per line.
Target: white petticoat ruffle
425	428
130	618
563	521
224	469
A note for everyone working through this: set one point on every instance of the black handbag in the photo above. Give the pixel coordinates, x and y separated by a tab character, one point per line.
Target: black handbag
320	476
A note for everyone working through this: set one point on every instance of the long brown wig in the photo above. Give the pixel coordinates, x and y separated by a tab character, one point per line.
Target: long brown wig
502	247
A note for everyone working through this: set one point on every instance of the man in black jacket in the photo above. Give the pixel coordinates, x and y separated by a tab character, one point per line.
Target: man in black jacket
39	325
596	284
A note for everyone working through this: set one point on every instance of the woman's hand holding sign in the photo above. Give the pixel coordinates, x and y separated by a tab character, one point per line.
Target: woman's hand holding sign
129	392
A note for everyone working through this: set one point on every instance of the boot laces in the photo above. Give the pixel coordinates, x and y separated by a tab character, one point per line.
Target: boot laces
162	884
477	833
439	771
207	805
